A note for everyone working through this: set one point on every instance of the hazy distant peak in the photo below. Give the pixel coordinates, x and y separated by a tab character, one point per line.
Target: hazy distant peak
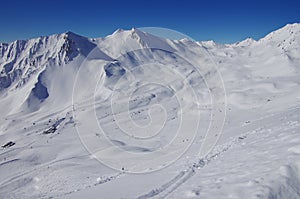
247	42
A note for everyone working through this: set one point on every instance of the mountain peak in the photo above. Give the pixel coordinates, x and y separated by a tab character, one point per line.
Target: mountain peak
246	42
119	30
70	33
133	33
73	36
133	29
123	41
286	32
208	43
137	31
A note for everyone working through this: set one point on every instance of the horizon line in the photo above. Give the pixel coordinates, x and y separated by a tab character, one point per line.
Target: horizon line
141	29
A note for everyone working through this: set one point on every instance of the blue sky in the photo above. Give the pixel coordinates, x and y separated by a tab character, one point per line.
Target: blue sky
223	21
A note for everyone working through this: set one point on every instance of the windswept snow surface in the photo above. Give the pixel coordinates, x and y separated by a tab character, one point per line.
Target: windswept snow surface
146	92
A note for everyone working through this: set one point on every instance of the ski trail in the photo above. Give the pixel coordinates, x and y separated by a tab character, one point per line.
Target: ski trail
186	177
157	191
166	189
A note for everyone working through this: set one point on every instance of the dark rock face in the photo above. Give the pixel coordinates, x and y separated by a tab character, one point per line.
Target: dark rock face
8	144
40	91
114	69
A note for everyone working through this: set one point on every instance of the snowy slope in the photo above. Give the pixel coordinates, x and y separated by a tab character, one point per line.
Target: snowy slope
56	90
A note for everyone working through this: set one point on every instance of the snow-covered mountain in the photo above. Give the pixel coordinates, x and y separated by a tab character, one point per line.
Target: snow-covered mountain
55	89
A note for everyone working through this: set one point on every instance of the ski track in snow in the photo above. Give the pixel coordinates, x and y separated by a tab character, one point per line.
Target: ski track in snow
166	189
182	177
